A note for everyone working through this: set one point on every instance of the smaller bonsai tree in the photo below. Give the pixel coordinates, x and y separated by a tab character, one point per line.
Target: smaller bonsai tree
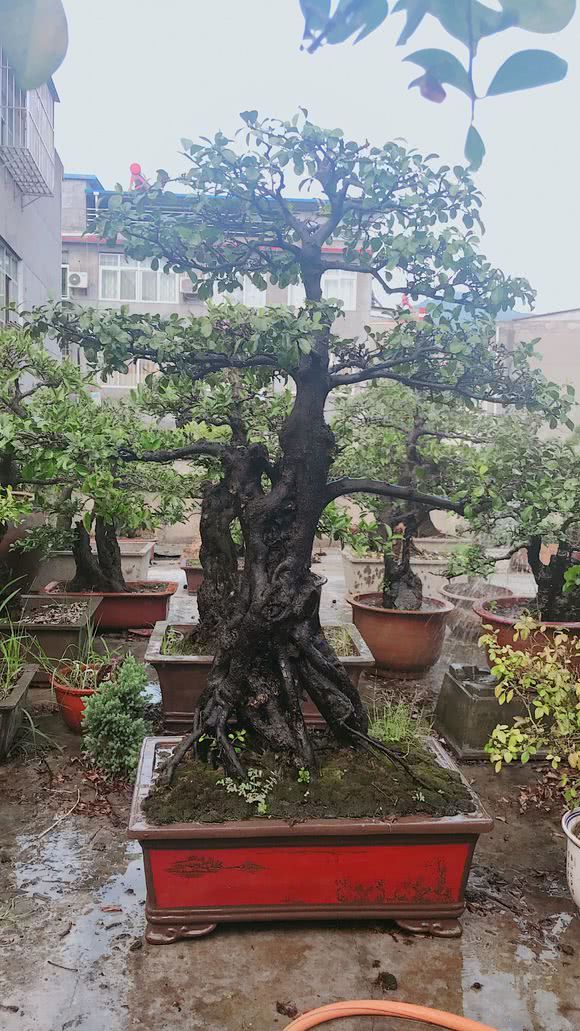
522	490
544	680
62	450
388	429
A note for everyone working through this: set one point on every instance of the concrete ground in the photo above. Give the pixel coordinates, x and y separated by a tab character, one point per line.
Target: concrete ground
72	896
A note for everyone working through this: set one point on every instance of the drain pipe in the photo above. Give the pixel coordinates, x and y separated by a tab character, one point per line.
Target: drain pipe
374	1008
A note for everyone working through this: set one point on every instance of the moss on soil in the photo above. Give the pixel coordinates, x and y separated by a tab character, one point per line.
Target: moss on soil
351	784
179	643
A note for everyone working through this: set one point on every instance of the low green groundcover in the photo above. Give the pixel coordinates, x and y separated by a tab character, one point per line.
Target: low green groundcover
351	784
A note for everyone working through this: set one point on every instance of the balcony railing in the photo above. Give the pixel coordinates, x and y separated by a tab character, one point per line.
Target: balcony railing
26	134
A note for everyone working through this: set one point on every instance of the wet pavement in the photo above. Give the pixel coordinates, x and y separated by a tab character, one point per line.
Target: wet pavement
71	913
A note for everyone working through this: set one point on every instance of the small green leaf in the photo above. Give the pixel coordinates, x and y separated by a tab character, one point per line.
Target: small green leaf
474	148
526	70
444	67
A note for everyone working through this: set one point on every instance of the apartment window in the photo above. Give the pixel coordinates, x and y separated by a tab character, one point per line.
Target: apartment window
64	291
125	279
247	294
336	284
26	133
8	281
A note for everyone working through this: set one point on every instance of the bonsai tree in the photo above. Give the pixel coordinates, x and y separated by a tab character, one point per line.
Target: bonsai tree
60	448
387	212
523	490
391	430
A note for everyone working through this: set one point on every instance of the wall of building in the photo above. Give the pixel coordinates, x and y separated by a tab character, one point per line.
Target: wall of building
558	346
31	228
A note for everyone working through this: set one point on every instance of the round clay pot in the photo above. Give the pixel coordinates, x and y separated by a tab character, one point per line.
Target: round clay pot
571	828
71	700
401	639
490	613
463	595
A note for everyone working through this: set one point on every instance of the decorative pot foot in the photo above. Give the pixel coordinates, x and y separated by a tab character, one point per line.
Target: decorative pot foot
435	928
159	934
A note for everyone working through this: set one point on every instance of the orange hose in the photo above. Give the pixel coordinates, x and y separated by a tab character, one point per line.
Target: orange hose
373	1008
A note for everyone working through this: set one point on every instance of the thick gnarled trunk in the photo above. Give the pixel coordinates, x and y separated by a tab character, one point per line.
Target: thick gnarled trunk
101	572
553	604
270	648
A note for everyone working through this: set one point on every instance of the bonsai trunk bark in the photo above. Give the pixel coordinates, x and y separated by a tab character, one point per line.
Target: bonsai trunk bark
553	604
100	572
270	649
402	588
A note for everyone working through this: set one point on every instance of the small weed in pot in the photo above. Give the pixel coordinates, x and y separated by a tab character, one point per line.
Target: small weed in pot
114	725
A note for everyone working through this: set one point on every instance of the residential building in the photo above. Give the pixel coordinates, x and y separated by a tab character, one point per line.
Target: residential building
558	335
30	194
96	274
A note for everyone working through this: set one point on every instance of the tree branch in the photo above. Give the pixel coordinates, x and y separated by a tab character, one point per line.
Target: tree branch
347	485
202	447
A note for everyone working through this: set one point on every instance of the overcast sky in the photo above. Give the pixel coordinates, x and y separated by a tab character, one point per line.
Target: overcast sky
140	74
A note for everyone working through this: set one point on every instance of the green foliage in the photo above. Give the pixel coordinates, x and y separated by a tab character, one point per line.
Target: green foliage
335	523
12	658
114	722
254	790
396	722
571	579
468	22
45	539
548	688
468	560
12	506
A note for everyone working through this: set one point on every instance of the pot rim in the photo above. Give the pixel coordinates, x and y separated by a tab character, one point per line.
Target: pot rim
442	607
170	588
506	621
570	817
454	595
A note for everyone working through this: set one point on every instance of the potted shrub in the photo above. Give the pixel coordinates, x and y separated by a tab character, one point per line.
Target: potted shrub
265	618
544	681
73	681
114	721
182	660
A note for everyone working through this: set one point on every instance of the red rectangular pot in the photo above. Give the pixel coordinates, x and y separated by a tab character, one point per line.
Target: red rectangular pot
413	870
182	678
127	611
193	575
52	641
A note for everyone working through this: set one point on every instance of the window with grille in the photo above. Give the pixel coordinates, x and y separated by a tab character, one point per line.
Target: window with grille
125	279
26	133
336	285
8	281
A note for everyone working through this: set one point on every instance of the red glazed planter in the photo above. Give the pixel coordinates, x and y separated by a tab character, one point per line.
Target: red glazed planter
130	611
413	870
193	576
71	700
504	625
401	639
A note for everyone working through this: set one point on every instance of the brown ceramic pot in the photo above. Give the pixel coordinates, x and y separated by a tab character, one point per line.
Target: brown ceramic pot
120	611
491	614
193	576
463	595
401	639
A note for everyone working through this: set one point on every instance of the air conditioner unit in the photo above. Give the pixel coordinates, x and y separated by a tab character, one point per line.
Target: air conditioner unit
78	280
186	286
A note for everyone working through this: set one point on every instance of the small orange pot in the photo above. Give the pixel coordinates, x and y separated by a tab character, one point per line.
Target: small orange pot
71	700
401	639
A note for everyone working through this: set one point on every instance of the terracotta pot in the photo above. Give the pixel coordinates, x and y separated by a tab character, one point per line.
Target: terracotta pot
183	678
126	611
401	639
490	613
193	576
71	700
413	869
12	708
52	641
463	595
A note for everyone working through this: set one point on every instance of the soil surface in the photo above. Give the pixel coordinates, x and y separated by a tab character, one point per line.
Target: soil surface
133	587
351	784
64	614
175	642
376	602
